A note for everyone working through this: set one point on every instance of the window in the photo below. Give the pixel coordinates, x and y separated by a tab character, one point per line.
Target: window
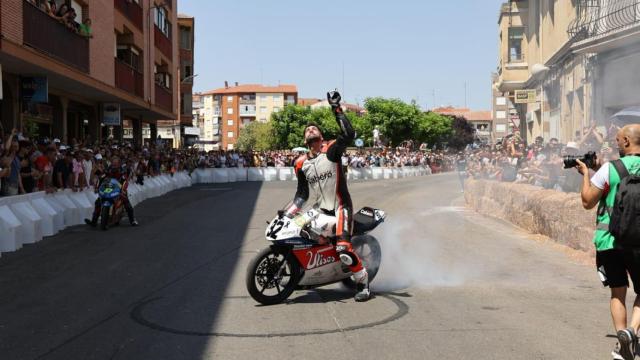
263	109
162	21
163	79
276	109
230	111
277	98
501	101
230	134
129	56
501	128
263	97
263	119
230	122
185	38
516	36
186	72
501	114
291	99
229	98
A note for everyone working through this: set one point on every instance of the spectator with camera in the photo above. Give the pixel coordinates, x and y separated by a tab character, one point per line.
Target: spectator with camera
617	256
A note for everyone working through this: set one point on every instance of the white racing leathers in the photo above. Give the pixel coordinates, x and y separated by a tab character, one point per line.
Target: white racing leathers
323	175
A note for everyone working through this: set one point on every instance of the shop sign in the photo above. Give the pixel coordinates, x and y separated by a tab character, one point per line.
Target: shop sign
34	89
525	96
111	114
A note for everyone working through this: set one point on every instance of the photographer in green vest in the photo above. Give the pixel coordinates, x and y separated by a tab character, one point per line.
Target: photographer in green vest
616	263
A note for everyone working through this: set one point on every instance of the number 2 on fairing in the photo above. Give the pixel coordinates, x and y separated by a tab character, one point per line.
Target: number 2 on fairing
276	227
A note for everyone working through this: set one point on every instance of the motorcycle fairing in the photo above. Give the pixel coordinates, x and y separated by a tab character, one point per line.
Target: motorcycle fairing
316	256
321	265
367	219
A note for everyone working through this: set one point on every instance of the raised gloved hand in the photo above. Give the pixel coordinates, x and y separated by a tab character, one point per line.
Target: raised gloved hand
333	97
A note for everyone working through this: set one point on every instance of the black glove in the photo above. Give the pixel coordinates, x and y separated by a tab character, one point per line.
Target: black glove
333	97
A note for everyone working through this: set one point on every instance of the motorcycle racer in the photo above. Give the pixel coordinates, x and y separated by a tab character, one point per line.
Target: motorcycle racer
121	174
321	171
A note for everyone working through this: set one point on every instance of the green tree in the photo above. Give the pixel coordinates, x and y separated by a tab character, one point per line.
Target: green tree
434	128
257	136
288	126
396	119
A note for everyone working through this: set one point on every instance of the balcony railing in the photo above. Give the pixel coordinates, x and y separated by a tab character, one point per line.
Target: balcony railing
164	98
46	34
131	10
247	110
129	79
594	20
162	43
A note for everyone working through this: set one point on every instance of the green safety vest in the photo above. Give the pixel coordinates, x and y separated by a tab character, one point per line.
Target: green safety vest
603	238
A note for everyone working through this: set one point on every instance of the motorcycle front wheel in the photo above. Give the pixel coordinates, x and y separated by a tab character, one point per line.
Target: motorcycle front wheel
104	217
368	249
272	275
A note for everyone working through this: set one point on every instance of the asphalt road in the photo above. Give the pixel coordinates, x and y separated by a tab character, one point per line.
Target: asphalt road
453	285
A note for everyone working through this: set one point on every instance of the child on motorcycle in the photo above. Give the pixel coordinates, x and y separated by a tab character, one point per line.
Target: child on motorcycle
120	173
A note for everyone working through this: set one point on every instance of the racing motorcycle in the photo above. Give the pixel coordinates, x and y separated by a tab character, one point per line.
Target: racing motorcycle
112	210
302	254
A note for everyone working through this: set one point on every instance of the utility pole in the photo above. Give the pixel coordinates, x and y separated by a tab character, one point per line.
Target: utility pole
434	99
343	96
465	94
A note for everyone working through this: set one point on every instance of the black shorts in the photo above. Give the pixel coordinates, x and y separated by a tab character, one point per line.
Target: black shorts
616	266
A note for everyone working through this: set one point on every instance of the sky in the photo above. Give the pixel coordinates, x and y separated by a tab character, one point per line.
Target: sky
396	49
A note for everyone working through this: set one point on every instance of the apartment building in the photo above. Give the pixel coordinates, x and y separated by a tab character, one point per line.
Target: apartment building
564	65
227	110
482	121
74	86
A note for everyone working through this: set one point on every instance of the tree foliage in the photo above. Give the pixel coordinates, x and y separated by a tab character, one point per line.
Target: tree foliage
463	133
396	120
257	136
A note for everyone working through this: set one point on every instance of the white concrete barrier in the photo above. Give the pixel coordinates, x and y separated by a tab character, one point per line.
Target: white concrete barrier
31	230
9	228
26	219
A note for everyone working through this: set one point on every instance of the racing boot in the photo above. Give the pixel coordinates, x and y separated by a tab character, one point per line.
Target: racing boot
362	285
94	220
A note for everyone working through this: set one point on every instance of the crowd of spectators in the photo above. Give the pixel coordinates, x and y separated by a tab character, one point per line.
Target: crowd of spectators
436	161
65	14
43	164
540	163
48	165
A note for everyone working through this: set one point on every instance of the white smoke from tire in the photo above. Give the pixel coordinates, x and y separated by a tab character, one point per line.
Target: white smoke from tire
413	256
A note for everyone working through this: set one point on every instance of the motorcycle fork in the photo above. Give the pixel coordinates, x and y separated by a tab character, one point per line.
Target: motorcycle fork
287	257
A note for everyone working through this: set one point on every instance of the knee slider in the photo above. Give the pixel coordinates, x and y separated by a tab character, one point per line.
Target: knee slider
348	258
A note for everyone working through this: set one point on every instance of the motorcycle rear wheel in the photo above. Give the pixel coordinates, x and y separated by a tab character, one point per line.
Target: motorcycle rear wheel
262	275
368	249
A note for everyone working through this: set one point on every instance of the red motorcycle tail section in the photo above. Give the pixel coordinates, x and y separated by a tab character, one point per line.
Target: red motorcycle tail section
316	256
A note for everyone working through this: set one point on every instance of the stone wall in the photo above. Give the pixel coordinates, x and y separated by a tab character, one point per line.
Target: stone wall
557	215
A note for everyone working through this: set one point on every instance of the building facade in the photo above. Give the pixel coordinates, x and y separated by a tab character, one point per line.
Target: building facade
577	59
227	110
71	85
482	121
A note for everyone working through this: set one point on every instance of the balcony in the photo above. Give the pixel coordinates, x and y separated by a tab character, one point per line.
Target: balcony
595	20
247	110
130	10
129	79
164	98
47	35
162	43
